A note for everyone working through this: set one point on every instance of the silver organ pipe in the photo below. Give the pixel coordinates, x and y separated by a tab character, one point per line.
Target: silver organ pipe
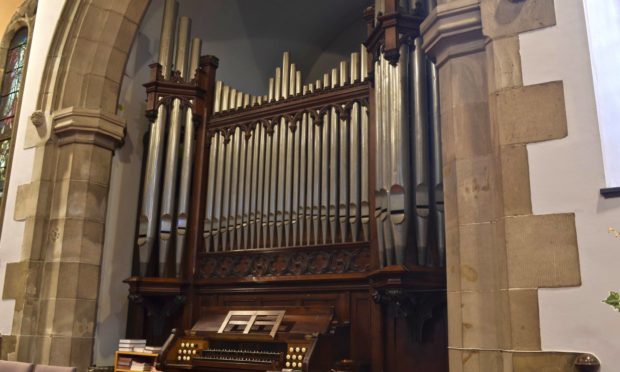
285	75
155	156
354	170
437	167
266	191
168	198
364	206
379	188
186	165
225	197
333	155
300	186
344	138
324	166
420	140
261	153
245	181
281	180
236	154
275	140
400	185
256	186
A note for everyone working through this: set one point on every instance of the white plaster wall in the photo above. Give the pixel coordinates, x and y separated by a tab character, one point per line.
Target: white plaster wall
566	176
48	14
603	20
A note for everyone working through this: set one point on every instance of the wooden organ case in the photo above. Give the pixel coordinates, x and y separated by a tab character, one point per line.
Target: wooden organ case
319	201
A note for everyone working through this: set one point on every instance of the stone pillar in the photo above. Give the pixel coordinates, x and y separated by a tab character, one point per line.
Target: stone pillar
498	252
56	324
55	286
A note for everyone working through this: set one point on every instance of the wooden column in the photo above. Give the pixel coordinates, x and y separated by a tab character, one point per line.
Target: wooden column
203	110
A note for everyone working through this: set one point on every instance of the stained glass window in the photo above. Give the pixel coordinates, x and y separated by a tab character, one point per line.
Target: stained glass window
9	97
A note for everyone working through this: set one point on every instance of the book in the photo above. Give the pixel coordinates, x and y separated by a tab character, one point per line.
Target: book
131	341
139	366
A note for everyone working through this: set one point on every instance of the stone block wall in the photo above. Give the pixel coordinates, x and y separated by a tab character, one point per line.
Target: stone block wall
499	253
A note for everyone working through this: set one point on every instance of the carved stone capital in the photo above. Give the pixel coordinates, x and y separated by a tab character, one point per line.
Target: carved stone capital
88	126
453	29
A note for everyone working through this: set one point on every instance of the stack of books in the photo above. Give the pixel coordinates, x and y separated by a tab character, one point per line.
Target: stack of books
140	366
152	349
123	363
131	345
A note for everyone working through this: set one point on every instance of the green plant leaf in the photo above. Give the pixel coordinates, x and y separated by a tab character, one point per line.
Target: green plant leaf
613	300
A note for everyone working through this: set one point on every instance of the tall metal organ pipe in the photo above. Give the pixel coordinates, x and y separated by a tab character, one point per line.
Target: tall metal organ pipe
186	165
150	195
168	197
437	200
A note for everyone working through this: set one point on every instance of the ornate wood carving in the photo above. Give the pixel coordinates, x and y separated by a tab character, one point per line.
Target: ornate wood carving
338	259
162	92
417	307
315	104
415	295
392	29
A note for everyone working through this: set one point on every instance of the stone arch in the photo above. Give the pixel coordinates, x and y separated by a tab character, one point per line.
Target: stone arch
56	284
88	56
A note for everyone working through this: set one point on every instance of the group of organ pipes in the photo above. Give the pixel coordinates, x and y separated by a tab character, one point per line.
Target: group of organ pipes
409	181
340	178
300	180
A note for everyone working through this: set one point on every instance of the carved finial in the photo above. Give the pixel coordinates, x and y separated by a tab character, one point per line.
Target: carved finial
176	77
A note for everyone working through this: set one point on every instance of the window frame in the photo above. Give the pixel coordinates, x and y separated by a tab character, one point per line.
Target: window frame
23	21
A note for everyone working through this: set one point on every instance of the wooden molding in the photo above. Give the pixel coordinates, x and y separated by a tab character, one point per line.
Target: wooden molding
315	260
392	29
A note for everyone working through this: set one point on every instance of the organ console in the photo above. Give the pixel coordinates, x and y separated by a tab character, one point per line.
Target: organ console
286	339
315	209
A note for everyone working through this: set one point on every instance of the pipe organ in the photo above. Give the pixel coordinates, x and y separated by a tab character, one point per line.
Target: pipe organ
315	193
293	180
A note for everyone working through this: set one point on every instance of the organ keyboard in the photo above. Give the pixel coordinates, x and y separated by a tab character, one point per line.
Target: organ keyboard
292	339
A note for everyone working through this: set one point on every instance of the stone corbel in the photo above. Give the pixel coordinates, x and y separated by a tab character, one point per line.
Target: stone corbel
453	29
88	126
